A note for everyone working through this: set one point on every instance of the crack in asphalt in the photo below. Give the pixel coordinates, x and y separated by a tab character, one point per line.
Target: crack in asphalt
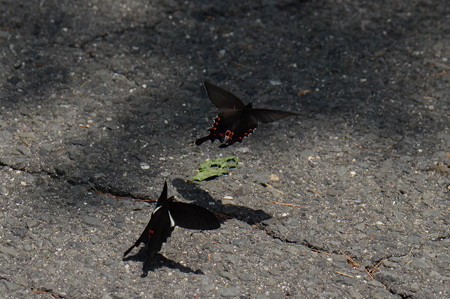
33	289
121	31
24	169
106	190
370	269
402	295
75	182
371	272
302	243
47	291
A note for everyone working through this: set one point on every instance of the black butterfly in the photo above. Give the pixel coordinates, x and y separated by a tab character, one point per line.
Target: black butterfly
235	119
165	217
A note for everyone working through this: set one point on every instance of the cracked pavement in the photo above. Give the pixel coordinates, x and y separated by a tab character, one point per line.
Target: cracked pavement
101	101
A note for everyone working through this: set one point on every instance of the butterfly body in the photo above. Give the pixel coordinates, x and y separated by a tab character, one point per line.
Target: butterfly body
168	214
235	120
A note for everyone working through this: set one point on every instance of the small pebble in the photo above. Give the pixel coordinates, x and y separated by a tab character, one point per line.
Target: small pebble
144	166
274	178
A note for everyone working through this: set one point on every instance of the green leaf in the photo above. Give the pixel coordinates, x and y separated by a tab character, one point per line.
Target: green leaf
215	167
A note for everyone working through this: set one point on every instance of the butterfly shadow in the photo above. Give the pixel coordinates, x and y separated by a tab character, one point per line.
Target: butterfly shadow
191	192
159	261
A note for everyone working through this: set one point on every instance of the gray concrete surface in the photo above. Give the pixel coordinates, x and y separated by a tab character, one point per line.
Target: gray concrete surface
101	101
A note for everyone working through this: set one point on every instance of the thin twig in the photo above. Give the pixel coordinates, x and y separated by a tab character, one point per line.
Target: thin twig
272	187
344	274
360	147
371	271
441	73
316	194
243	66
286	204
351	261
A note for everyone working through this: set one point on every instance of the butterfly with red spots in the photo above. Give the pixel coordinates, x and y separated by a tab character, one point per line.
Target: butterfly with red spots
235	120
168	214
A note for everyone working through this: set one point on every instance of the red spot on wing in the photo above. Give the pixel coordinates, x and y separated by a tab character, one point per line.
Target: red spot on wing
222	131
229	134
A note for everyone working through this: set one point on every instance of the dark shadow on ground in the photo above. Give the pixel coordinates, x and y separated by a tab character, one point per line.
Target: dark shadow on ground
190	191
159	261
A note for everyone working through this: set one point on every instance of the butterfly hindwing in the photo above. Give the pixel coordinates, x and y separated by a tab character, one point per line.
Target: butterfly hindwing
192	216
221	98
222	123
159	230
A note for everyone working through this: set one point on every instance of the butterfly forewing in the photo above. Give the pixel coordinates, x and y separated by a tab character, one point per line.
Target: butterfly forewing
142	239
192	216
269	115
163	197
221	98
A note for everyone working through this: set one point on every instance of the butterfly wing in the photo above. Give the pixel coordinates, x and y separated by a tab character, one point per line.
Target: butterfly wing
225	121
269	115
192	216
142	239
221	98
163	196
156	228
160	229
242	127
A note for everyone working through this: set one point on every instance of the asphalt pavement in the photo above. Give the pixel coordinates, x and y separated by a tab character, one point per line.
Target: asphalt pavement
101	102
